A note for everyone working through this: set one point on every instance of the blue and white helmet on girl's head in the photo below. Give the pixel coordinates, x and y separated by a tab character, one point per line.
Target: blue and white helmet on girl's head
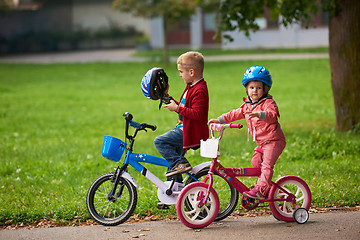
154	83
257	73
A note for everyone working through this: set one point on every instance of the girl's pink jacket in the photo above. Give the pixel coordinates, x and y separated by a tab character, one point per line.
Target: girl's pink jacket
264	130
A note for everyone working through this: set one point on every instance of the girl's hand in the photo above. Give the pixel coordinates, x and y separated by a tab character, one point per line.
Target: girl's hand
252	114
213	121
172	106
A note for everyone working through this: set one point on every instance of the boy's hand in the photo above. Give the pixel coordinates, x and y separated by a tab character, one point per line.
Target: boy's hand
252	114
172	106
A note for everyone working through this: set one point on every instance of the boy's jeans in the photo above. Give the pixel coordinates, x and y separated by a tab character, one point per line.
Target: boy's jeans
170	146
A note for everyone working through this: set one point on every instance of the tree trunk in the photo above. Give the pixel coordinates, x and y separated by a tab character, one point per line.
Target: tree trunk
344	41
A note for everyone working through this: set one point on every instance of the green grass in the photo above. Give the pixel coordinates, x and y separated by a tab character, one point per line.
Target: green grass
53	119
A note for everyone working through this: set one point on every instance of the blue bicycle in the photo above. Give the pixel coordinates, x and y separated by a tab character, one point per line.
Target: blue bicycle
112	197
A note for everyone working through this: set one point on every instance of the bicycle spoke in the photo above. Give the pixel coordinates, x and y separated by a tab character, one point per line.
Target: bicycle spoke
299	193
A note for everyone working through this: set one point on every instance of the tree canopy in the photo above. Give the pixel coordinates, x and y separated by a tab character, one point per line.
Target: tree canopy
241	15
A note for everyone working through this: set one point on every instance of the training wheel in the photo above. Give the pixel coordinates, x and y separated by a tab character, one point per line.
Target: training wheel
301	215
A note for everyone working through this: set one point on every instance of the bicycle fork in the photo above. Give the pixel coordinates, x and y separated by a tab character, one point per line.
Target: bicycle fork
201	198
116	180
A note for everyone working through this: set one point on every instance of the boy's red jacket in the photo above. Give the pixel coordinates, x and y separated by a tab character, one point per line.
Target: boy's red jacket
195	114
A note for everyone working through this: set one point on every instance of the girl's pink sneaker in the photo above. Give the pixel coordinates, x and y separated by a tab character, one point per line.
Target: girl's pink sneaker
254	193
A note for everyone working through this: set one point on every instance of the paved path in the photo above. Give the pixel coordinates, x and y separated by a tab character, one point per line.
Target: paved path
125	55
331	225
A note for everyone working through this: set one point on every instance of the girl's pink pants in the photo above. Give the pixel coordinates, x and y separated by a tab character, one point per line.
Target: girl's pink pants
271	152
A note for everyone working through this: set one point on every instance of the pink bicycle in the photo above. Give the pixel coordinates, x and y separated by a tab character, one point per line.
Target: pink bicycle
198	203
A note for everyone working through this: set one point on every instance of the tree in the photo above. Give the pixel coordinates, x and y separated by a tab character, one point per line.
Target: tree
6	5
170	10
344	44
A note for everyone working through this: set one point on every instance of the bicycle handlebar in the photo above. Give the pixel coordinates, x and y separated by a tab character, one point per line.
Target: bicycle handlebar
221	128
142	126
138	126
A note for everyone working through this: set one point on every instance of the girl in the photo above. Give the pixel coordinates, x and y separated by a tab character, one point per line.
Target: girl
261	114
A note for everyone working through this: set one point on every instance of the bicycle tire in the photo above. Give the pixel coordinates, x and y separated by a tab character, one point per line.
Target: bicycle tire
228	194
187	206
104	211
283	210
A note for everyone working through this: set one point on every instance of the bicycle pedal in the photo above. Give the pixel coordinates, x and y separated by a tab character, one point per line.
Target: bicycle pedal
175	177
162	206
251	200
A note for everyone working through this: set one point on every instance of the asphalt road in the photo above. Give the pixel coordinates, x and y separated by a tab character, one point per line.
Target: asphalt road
331	225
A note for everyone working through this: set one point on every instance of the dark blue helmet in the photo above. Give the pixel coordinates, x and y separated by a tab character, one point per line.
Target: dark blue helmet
154	83
257	73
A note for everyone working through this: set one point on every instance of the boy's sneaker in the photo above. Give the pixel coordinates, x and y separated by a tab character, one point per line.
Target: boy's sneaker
254	193
178	169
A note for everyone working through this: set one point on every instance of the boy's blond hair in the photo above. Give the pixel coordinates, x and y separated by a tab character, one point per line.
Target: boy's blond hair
192	60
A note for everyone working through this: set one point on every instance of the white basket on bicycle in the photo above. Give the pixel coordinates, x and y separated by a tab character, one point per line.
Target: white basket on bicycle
209	148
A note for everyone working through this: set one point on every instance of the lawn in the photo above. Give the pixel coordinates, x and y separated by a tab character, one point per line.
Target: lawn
53	119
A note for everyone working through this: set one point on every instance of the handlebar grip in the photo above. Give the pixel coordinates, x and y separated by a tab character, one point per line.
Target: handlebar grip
233	125
152	127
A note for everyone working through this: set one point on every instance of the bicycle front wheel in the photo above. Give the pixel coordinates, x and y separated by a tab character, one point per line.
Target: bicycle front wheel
111	212
192	209
228	195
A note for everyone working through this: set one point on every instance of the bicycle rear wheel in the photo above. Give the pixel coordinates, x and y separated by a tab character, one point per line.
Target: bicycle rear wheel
188	207
111	212
283	210
228	194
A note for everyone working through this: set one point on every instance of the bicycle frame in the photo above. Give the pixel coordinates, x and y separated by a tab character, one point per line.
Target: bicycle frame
230	175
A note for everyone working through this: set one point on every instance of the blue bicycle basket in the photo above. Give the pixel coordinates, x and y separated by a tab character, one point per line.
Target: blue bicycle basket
113	148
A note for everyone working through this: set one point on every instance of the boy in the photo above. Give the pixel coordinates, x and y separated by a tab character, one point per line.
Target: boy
193	114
